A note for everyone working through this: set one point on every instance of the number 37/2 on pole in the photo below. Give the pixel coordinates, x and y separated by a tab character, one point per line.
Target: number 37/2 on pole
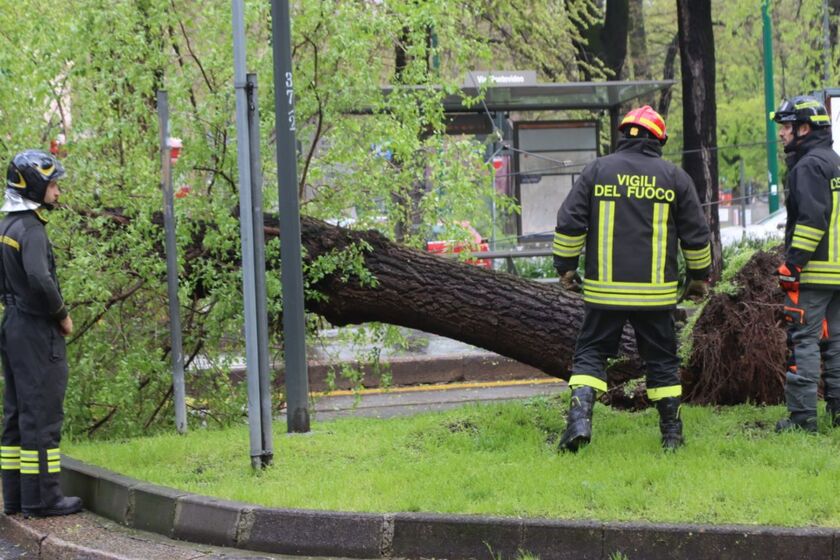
290	93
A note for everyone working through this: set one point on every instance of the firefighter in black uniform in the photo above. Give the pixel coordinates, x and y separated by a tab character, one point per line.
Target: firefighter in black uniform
32	346
632	211
810	274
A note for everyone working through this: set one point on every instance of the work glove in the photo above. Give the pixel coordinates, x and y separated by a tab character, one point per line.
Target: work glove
789	277
570	281
696	289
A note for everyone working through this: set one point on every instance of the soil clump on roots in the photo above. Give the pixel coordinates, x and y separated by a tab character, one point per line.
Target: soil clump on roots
738	342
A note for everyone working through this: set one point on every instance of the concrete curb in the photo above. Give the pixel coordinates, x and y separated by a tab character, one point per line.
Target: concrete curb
205	520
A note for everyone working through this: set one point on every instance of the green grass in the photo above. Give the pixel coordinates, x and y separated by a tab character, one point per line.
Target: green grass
501	460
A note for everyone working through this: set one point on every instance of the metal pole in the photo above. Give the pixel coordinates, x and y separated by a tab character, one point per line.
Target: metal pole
614	120
297	381
769	102
259	268
246	231
742	194
178	391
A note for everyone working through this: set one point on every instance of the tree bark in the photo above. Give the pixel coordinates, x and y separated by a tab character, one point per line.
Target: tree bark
606	41
668	74
533	323
638	41
697	54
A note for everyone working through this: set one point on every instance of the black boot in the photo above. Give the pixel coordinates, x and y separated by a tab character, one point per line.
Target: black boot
51	501
11	491
670	424
832	408
65	506
579	421
805	421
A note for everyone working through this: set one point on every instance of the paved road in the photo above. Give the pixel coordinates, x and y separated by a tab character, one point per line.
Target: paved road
404	401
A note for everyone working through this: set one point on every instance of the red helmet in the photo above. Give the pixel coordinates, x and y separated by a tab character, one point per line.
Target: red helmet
646	118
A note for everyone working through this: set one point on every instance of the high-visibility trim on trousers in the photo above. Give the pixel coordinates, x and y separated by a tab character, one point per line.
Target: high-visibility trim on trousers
10	458
596	383
659	393
54	460
29	461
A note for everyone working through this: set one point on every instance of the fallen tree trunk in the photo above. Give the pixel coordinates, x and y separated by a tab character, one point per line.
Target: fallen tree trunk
533	323
738	343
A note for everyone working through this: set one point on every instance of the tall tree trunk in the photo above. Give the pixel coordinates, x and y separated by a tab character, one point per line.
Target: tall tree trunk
614	36
606	41
668	74
638	41
697	54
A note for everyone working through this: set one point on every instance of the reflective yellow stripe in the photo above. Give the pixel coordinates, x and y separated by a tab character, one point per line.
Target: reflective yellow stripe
29	461
629	301
630	287
834	229
568	245
806	104
578	380
698	259
652	126
659	242
808	232
634	294
820	118
10	242
606	216
805	245
659	393
10	458
821	272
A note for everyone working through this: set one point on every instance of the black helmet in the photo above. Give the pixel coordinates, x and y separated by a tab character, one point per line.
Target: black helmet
30	172
802	109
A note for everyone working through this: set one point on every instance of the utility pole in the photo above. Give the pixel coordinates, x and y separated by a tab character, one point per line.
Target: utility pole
769	105
297	380
176	343
253	257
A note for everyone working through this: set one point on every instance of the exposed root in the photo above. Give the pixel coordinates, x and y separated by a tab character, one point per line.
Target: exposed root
738	352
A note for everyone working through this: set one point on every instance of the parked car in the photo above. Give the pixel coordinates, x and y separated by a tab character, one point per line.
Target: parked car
768	227
475	244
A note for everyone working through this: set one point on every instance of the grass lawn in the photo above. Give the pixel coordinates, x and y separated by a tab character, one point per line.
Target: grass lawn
501	459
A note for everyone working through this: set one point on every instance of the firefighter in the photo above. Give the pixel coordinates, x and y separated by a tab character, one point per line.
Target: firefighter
32	346
630	210
810	273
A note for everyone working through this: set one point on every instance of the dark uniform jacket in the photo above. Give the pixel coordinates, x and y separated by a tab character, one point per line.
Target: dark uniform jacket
630	210
812	199
29	280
